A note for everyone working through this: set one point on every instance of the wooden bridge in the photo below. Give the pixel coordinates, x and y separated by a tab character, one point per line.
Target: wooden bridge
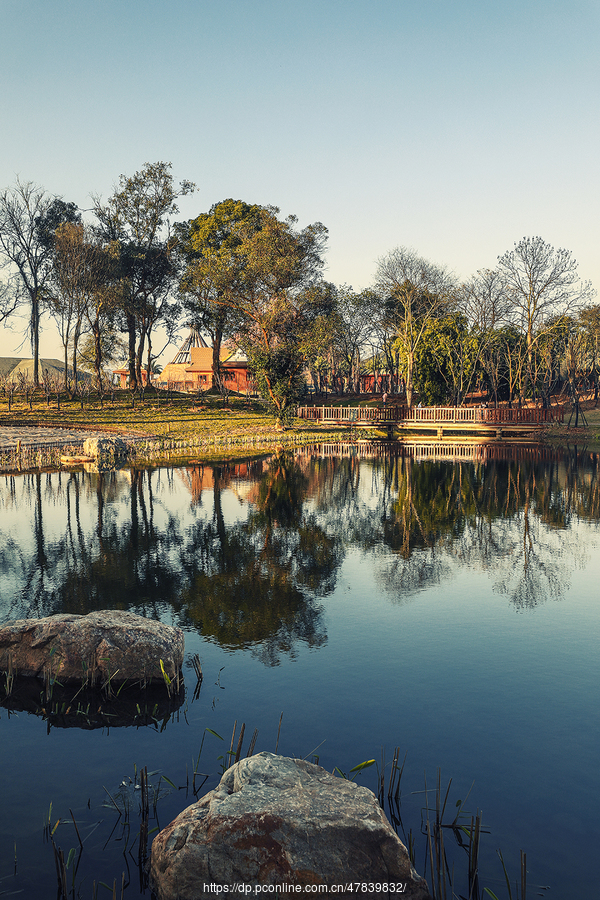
438	419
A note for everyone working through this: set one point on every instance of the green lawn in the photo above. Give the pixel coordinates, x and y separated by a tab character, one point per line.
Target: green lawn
207	422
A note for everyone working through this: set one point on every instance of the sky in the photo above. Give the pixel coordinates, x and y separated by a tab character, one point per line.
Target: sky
454	127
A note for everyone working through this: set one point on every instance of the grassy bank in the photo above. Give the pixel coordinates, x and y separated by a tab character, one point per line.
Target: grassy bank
587	433
207	426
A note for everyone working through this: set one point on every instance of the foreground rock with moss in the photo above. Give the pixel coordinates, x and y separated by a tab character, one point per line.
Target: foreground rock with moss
274	821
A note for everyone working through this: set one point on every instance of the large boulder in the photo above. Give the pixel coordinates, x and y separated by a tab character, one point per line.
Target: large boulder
106	645
279	821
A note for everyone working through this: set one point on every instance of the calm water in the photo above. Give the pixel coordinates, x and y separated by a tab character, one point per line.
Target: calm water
450	608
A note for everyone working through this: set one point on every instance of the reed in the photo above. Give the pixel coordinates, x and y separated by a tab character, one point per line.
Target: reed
446	830
145	815
9	678
523	896
196	790
395	775
62	867
76	829
278	732
199	675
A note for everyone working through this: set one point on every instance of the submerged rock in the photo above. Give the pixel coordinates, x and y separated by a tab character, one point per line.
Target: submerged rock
86	708
106	646
279	821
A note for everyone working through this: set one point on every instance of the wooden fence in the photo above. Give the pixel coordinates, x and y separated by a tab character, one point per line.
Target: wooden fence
431	415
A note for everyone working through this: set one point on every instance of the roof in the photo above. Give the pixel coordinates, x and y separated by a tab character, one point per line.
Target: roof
7	364
194	339
13	366
201	358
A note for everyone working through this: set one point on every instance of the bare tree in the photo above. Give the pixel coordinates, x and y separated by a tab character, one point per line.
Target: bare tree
485	301
22	209
74	280
8	301
590	322
421	292
356	313
542	283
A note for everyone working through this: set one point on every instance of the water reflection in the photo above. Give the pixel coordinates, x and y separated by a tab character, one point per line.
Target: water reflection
69	706
252	583
511	517
243	553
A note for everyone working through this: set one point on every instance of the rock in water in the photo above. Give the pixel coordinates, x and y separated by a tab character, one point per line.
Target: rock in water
109	453
91	649
279	821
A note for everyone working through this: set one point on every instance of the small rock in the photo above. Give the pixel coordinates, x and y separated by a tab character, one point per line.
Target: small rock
109	453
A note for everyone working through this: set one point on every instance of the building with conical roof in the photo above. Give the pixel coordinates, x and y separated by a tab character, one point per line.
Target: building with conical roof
191	368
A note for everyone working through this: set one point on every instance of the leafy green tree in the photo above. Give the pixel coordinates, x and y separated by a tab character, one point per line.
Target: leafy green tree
279	264
446	360
137	216
58	213
279	375
258	274
207	245
107	293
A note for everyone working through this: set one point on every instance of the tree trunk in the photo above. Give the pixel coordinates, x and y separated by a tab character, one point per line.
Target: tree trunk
97	354
132	335
216	357
139	357
76	334
149	362
409	380
35	339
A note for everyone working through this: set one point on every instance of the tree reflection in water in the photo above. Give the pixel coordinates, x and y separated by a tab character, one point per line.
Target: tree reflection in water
75	542
511	518
252	584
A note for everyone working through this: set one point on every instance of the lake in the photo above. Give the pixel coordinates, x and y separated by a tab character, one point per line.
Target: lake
441	599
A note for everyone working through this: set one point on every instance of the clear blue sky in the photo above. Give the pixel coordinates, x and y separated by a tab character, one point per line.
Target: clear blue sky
452	126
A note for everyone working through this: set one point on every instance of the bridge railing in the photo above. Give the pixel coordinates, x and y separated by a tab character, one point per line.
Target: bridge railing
347	415
434	415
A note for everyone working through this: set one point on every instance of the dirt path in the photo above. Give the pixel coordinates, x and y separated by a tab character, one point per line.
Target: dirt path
10	435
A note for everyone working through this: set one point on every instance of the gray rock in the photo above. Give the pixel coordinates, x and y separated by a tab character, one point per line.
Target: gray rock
279	821
90	649
108	453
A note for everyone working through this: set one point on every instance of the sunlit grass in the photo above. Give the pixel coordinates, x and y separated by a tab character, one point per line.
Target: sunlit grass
180	417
